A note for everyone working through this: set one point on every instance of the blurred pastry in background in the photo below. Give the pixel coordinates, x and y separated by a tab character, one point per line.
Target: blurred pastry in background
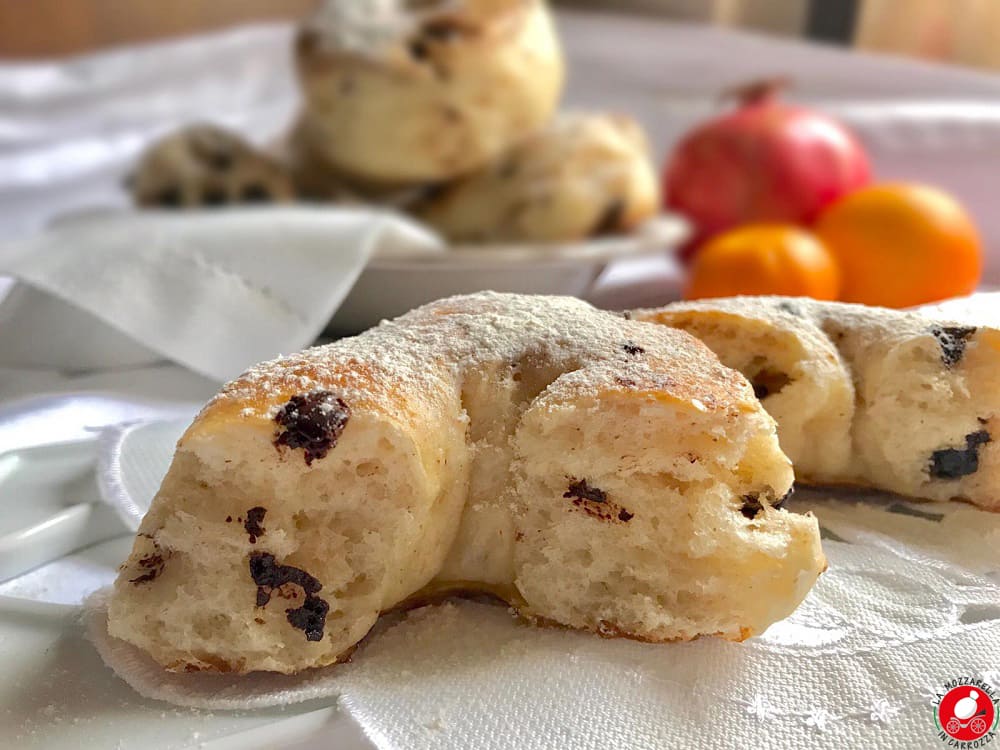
204	165
403	92
585	175
318	182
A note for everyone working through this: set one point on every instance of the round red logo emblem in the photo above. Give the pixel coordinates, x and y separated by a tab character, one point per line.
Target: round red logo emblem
967	712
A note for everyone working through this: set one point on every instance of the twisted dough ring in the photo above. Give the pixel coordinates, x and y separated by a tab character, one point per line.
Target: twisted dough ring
593	471
865	395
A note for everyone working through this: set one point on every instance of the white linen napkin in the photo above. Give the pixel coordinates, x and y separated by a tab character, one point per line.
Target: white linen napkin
212	291
911	600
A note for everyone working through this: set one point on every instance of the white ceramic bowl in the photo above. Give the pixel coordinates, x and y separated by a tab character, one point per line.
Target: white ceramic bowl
393	284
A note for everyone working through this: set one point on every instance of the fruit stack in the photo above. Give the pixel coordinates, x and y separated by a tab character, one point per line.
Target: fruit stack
783	202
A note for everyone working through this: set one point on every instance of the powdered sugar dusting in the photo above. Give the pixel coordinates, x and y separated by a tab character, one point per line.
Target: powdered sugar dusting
401	366
370	26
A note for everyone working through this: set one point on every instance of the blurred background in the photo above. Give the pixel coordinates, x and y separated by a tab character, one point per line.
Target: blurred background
84	89
966	32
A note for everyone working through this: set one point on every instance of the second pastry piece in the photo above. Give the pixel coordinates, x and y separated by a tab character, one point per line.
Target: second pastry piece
863	395
399	92
584	175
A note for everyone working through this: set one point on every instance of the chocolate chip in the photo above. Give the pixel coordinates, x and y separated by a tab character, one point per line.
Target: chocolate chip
610	219
263	596
595	502
953	463
755	502
952	340
229	519
270	575
768	382
169	197
579	489
310	617
221	162
213	147
314	422
419	50
213	197
252	525
256	192
632	348
153	565
751	505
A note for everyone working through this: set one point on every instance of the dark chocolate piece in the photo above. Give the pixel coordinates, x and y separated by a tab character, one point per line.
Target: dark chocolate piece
214	197
632	348
952	340
152	564
169	197
595	502
751	505
220	161
768	382
579	489
313	422
310	617
755	502
270	575
954	463
419	50
252	524
609	222
256	192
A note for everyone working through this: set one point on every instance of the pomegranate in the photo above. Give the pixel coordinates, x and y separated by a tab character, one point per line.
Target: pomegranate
764	161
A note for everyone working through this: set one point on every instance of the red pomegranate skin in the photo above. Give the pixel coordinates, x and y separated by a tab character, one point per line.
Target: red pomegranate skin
764	161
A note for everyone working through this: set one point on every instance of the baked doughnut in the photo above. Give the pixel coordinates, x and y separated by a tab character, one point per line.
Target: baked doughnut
205	165
584	175
592	471
402	92
865	395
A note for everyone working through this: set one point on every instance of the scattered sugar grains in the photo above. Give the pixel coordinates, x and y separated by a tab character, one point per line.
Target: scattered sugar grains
436	723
